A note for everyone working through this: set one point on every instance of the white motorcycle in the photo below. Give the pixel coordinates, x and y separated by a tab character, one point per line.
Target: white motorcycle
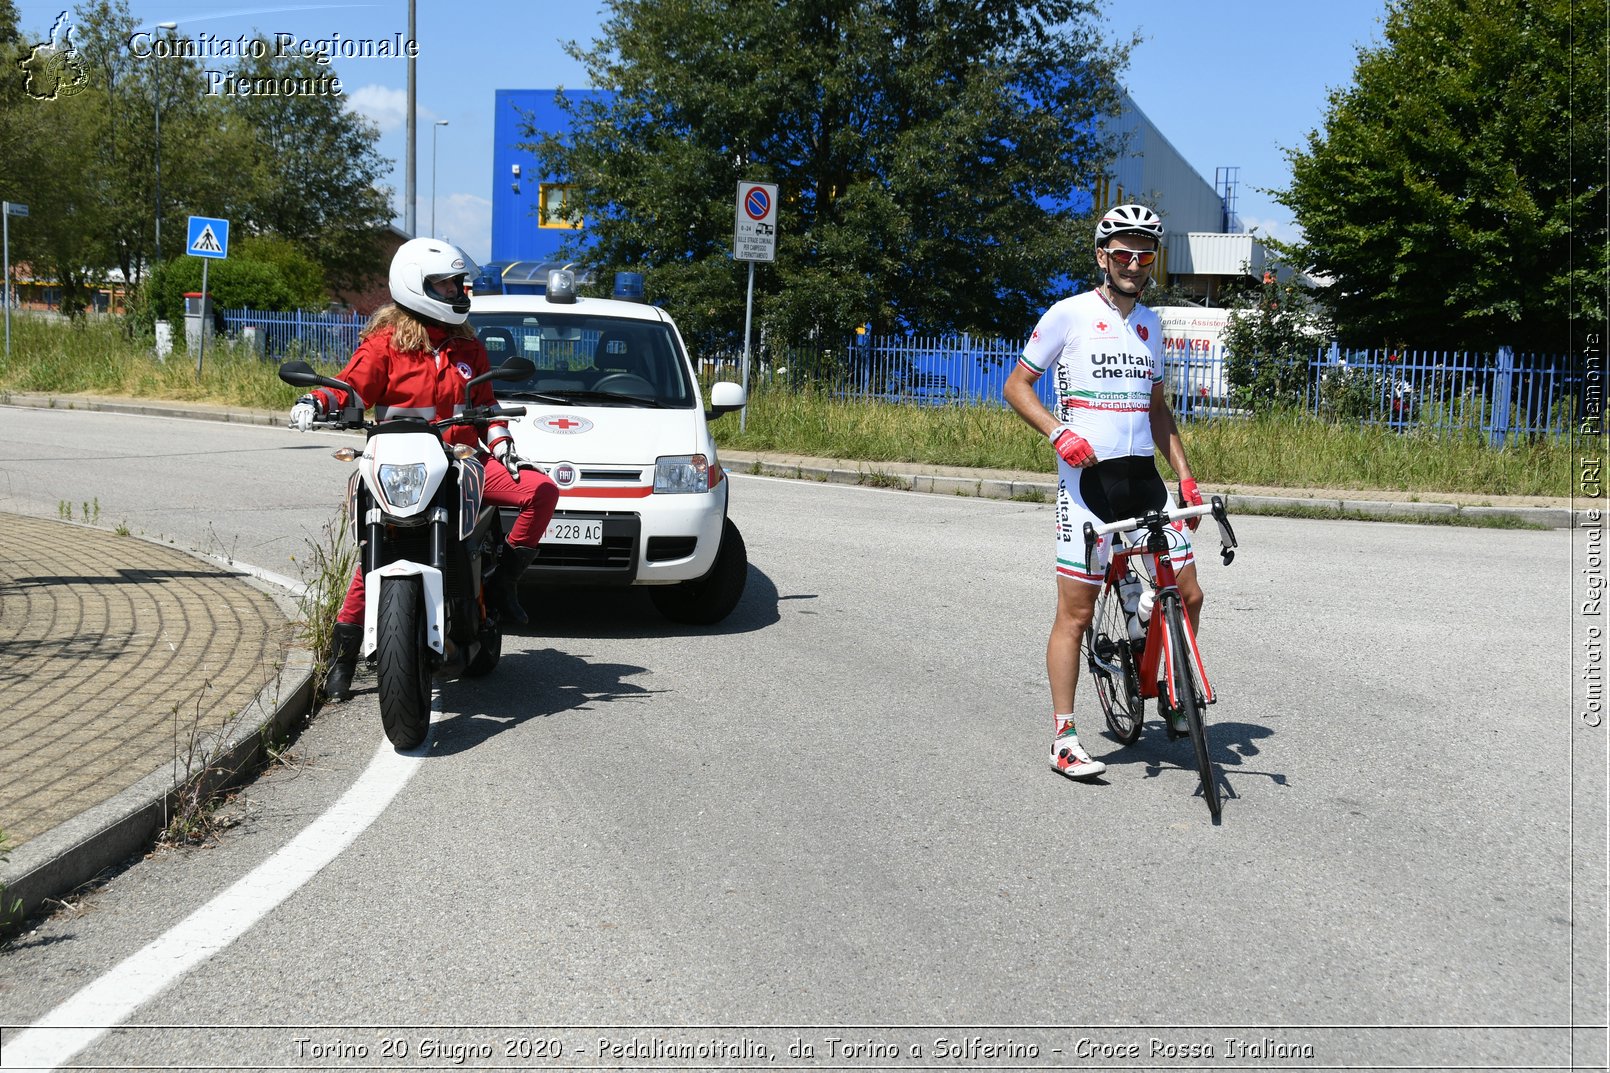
427	541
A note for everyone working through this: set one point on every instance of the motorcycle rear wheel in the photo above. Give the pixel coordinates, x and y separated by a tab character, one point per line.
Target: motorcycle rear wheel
491	642
403	672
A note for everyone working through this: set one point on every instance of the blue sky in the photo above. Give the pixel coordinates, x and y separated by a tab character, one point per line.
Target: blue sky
1229	84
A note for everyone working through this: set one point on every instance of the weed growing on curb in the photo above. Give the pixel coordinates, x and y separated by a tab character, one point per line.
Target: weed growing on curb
10	911
188	823
877	478
330	562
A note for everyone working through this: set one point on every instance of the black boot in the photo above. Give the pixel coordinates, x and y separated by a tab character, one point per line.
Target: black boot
345	641
503	588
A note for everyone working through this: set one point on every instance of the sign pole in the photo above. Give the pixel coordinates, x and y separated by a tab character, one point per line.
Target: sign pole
754	238
208	238
202	349
749	310
5	214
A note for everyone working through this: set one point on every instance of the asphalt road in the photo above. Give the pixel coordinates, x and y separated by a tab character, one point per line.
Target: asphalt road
832	816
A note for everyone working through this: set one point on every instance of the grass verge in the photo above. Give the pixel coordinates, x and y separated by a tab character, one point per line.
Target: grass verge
1292	450
1283	450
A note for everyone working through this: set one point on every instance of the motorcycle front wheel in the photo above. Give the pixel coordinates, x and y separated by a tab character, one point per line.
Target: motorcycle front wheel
403	672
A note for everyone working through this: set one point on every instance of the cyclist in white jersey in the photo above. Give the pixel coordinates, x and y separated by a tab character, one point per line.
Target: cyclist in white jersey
1104	350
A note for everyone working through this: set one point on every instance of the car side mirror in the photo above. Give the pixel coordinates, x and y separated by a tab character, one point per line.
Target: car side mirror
725	397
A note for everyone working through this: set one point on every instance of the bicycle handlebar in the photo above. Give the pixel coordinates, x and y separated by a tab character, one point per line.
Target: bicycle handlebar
1156	520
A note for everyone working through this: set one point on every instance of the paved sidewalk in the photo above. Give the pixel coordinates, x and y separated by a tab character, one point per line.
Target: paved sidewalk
126	666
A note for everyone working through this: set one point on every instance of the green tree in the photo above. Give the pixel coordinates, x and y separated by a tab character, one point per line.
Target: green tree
1269	339
297	166
303	279
1455	194
926	151
320	165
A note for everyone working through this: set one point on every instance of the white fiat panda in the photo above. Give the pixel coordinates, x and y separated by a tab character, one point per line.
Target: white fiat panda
614	415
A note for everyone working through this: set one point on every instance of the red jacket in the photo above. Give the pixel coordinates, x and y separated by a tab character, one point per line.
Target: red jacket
418	383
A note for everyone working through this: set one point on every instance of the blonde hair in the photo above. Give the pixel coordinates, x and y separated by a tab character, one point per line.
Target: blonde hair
408	328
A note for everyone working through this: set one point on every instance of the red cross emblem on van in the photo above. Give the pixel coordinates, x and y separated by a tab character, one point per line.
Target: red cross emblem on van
563	424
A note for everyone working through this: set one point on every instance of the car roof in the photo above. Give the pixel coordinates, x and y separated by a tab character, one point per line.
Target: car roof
585	307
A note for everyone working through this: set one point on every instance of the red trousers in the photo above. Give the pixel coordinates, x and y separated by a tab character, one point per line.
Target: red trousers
535	495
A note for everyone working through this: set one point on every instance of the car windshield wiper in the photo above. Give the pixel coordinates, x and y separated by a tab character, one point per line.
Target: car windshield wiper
541	396
611	396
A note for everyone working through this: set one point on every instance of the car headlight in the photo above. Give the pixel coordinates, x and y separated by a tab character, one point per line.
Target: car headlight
403	485
681	473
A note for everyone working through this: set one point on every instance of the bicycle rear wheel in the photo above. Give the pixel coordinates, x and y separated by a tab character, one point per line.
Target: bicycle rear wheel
1112	668
1190	702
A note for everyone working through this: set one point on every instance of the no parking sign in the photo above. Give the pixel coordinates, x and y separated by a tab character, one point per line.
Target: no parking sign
754	236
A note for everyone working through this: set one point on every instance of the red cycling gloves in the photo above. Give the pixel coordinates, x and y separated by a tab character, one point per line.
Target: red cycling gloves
1074	448
1190	497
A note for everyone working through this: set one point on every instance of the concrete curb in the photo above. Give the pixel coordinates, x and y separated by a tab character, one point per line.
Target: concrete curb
872	475
196	411
71	854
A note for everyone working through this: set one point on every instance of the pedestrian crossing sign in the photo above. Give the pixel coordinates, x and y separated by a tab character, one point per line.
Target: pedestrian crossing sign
208	237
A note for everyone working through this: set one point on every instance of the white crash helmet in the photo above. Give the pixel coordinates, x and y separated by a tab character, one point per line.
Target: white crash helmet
427	276
1125	218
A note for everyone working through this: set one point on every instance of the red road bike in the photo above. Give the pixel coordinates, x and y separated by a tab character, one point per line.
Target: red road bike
1131	659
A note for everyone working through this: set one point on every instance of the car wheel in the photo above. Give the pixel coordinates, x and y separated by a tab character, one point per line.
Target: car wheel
709	599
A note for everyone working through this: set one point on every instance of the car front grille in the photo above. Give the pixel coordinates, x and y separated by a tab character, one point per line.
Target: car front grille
612	562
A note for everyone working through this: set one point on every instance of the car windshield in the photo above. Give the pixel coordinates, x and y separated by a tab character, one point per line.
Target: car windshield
597	360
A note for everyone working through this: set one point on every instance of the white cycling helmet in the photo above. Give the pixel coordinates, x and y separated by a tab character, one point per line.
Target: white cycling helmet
1128	218
427	276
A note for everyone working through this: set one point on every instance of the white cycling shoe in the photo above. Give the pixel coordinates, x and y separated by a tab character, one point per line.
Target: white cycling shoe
1069	758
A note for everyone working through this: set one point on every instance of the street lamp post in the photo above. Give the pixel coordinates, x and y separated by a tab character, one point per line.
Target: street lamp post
439	123
157	99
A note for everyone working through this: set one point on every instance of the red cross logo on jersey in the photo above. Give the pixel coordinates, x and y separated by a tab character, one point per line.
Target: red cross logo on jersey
1101	325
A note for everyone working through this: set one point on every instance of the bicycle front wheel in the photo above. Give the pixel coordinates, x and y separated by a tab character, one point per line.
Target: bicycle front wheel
1112	668
1190	702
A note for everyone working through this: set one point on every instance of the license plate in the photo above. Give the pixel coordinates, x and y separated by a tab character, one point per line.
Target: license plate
587	531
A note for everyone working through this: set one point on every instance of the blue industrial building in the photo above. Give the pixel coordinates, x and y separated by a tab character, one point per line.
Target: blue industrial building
1206	244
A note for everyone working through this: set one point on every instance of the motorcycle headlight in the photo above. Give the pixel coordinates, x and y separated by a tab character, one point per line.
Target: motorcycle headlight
681	473
403	485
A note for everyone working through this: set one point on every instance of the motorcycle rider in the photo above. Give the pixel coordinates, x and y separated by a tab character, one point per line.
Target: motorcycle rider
413	360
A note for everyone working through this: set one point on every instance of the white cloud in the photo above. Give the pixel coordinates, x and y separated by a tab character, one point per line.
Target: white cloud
464	220
1281	230
386	106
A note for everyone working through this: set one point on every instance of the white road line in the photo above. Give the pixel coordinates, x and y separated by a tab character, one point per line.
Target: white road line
86	1016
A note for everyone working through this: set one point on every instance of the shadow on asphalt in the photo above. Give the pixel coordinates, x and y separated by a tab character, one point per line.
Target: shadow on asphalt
551	683
544	682
565	612
1230	745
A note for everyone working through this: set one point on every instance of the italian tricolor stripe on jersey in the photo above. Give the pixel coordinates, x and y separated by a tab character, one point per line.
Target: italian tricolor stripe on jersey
1089	400
1067	568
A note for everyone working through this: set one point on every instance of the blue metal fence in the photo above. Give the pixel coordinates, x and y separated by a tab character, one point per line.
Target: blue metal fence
1503	395
312	337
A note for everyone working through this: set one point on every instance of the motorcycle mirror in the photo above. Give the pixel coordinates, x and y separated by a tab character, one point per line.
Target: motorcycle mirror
516	368
299	373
